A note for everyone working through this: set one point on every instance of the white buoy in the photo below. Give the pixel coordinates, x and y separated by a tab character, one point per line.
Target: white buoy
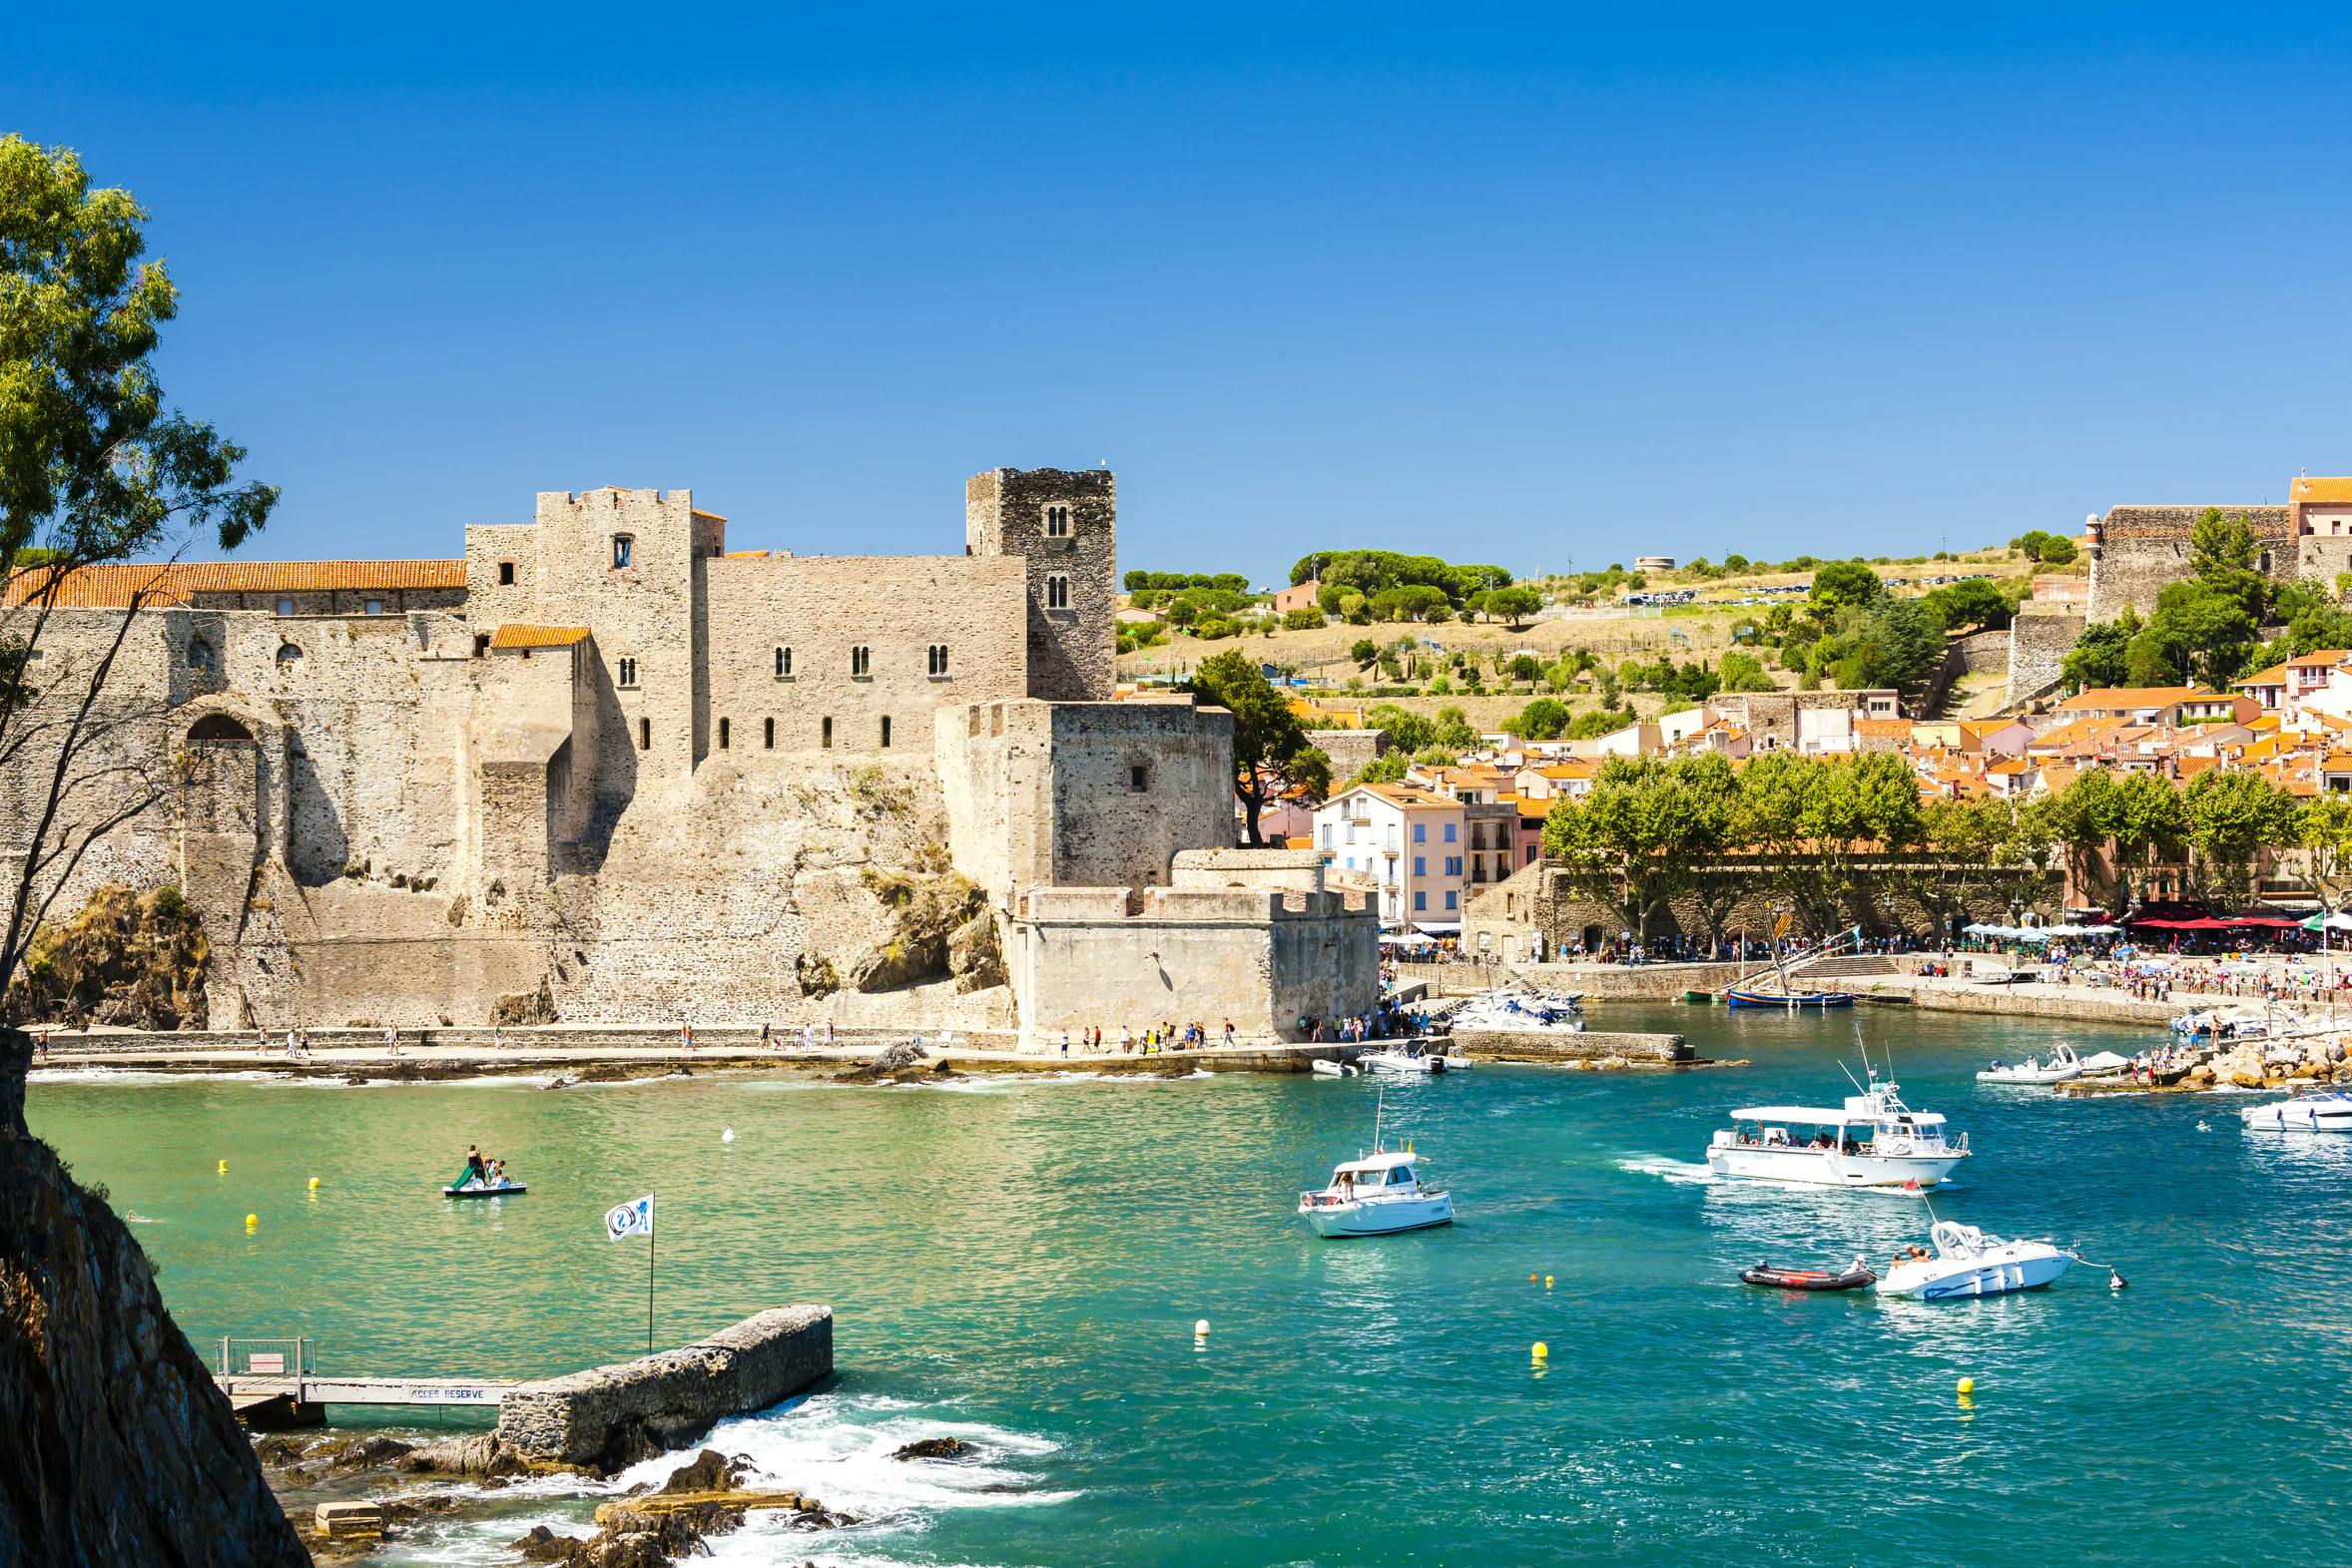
727	1135
1200	1329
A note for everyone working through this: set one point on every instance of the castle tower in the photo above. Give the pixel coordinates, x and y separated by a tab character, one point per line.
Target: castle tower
1066	525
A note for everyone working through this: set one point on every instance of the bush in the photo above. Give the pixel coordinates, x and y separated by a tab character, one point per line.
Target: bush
1303	619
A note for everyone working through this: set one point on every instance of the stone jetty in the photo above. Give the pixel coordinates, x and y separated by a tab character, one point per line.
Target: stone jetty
610	1416
1554	1045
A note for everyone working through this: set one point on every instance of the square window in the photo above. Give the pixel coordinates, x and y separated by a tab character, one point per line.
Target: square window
1452	898
1139	780
285	605
624	549
1421	832
371	607
1453	833
1420	901
506	574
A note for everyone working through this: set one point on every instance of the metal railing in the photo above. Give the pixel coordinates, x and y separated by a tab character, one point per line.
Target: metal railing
268	1358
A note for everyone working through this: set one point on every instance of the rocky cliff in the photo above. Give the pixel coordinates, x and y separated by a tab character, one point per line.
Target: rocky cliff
117	1448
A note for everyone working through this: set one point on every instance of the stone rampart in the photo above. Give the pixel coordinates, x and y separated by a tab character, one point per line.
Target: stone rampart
2039	642
2137	550
671	1397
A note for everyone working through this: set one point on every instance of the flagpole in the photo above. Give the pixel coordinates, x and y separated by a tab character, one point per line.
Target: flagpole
652	1216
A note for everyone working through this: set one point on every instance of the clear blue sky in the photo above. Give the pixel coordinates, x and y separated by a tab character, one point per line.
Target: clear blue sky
1530	288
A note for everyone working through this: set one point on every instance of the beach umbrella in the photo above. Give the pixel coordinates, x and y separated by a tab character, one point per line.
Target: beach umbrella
2329	923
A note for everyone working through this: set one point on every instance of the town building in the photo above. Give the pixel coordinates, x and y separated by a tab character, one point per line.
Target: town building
1406	844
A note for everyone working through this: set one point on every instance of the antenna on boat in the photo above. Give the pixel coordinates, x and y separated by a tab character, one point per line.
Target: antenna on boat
1379	1105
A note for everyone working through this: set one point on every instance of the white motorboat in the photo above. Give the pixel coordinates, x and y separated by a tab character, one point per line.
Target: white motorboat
1377	1194
2105	1062
1967	1262
1873	1140
2062	1065
2306	1113
1323	1068
1400	1057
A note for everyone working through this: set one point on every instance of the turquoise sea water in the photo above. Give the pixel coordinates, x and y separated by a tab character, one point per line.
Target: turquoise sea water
1020	1261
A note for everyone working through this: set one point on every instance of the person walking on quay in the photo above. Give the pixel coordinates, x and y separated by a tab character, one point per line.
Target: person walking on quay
766	1030
1065	1042
391	1040
497	1036
1229	1034
1126	1040
809	1037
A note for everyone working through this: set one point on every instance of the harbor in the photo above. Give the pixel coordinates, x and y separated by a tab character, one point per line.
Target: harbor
1018	1262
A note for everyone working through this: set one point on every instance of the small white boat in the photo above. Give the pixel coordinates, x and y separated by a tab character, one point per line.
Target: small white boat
1967	1262
2306	1113
2105	1062
1521	1012
1323	1068
1402	1059
2062	1065
1873	1140
1376	1195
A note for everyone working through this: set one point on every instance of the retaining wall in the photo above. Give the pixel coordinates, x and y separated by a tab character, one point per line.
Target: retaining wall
1622	982
672	1397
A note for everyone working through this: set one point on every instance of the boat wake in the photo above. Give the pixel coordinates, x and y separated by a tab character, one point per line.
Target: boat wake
1680	1171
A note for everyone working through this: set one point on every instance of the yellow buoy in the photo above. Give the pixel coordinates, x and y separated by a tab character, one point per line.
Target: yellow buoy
1543	1351
314	1184
1966	1387
1547	1282
253	1222
224	1167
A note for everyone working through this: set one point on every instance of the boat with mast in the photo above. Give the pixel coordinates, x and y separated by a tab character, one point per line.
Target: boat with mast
1378	1193
1871	1139
1780	990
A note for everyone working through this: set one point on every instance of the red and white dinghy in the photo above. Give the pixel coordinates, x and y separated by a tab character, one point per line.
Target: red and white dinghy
1851	1277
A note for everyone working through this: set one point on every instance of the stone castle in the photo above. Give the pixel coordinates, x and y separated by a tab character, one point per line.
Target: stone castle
2137	549
603	768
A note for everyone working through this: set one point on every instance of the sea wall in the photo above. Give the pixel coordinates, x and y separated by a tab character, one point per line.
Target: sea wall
2036	1001
673	1397
1623	982
1591	1045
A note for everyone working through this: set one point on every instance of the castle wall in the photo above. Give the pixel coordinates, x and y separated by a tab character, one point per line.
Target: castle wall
2039	642
1113	957
1083	795
2323	556
896	608
2137	549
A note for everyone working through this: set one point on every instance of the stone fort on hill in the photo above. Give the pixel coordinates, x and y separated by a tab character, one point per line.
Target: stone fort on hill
2137	549
603	768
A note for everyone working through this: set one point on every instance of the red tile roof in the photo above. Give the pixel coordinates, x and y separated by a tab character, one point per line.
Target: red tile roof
112	586
518	634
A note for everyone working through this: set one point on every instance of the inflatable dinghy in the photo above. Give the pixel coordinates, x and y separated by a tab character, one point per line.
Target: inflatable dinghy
1853	1278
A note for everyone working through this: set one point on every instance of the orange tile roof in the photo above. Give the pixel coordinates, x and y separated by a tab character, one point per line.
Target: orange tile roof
517	634
2190	764
112	585
2320	659
2276	674
2125	696
1883	726
2008	764
2309	488
2336	763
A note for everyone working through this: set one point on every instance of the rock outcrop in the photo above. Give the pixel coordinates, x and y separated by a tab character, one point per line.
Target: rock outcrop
128	959
116	1447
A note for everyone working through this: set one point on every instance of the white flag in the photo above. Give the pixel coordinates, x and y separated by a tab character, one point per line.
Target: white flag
629	1219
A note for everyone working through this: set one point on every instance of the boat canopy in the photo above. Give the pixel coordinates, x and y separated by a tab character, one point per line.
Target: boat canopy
1857	1110
1388	1159
1816	1114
